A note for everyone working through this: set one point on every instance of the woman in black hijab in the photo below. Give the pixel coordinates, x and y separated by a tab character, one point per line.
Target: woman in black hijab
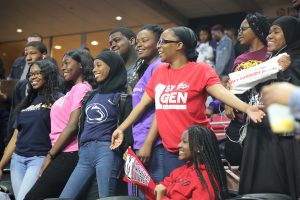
271	162
97	122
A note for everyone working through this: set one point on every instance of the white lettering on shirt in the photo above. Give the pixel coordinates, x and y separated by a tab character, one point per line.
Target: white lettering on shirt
171	96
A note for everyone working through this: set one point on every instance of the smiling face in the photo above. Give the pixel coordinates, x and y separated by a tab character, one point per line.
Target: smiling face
71	69
275	39
146	45
101	70
36	78
168	45
32	54
184	147
119	44
246	35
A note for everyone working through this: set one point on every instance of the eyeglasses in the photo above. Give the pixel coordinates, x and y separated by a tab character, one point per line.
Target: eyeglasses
162	41
243	28
29	75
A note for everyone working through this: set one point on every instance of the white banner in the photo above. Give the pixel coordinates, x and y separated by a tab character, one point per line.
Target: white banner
241	81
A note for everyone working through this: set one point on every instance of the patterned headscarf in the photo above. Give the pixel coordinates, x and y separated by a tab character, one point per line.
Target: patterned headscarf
259	25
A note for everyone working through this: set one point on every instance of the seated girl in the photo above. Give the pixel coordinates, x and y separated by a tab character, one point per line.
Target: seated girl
203	176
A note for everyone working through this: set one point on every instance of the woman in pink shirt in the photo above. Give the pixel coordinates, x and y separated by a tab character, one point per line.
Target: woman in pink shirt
63	156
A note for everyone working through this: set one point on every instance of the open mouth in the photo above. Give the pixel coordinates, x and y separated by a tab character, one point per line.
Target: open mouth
34	83
97	76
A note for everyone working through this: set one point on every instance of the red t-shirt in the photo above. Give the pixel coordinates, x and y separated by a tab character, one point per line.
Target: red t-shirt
180	96
183	184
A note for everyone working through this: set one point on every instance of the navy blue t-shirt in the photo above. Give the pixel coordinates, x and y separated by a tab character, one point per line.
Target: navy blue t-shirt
33	124
100	119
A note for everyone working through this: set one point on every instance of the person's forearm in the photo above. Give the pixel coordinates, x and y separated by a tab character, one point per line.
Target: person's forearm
68	134
224	95
135	114
9	150
63	140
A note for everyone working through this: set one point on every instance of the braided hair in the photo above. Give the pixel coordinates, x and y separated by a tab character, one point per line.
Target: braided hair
204	150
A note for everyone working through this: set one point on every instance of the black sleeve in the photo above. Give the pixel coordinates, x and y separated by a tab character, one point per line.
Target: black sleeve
292	73
295	68
128	138
18	95
17	68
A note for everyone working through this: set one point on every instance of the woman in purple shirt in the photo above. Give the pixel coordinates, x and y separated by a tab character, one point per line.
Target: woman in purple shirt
147	39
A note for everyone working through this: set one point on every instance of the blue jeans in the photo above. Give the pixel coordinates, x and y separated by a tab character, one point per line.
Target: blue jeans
94	157
170	162
24	173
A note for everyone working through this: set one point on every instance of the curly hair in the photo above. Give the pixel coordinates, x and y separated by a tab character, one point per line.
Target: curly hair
50	89
205	150
83	57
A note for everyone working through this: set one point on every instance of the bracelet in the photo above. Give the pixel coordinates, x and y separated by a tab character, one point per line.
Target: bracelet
51	155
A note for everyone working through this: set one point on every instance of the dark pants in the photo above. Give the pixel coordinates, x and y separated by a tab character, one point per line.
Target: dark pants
55	177
4	114
233	150
171	162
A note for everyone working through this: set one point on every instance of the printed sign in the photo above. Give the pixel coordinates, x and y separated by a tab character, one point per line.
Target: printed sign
241	81
136	173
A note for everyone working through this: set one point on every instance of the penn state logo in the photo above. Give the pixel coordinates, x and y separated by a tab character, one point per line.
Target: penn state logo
96	113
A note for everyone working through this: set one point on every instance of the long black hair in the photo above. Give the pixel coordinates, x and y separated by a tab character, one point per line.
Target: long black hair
205	150
50	90
83	57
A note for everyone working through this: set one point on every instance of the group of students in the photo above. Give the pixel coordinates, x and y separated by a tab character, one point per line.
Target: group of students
171	132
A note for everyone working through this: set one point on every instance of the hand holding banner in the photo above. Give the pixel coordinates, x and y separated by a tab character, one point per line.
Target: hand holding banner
136	173
241	81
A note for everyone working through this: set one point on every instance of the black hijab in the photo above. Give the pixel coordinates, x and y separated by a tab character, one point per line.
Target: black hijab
189	40
291	30
117	77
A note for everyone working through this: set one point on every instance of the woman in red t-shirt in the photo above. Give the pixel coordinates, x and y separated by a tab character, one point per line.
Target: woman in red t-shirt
179	89
203	176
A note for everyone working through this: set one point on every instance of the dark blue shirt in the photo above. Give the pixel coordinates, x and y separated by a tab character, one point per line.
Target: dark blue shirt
33	124
101	118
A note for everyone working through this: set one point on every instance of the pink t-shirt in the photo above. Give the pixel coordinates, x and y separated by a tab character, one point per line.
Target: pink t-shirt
180	96
61	112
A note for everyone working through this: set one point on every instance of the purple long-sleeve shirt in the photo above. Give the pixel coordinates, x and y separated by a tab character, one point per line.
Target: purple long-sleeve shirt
216	106
142	126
